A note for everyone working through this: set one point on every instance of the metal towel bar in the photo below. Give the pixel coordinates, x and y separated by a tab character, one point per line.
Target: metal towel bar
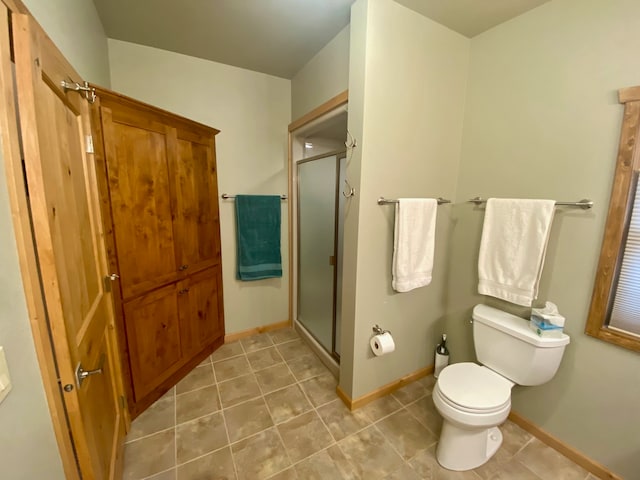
389	201
585	203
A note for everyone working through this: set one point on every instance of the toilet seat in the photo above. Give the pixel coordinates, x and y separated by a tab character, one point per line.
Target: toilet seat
474	389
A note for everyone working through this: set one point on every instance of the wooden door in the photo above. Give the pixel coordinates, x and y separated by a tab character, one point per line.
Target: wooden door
201	309
137	150
196	224
154	339
69	245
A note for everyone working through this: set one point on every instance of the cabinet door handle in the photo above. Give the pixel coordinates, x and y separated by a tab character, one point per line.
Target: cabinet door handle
183	291
182	268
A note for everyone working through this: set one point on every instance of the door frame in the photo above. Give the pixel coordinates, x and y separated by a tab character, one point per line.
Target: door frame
336	102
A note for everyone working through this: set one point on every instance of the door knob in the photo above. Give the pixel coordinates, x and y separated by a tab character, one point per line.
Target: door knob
82	374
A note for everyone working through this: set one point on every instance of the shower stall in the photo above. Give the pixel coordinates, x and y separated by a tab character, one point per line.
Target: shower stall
320	211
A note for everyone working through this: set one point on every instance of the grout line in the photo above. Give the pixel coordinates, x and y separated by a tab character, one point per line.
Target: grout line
226	430
275	426
159	473
148	435
175	427
194	390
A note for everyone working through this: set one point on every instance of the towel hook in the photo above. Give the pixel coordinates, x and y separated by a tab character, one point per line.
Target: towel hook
351	141
351	191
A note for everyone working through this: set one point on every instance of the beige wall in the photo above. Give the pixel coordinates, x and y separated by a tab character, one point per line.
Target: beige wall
323	77
542	121
75	28
252	111
28	448
407	82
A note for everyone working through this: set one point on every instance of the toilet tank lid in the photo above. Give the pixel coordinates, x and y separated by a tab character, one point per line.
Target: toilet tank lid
515	326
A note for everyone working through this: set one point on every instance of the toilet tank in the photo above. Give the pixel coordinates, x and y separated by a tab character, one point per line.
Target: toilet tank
505	344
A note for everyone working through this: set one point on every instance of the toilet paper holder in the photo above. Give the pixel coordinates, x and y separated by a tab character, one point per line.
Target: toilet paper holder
379	331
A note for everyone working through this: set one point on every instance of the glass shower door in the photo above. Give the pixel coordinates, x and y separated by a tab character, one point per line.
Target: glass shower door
317	248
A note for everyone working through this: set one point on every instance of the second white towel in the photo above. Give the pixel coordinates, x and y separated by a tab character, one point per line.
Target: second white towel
413	243
513	247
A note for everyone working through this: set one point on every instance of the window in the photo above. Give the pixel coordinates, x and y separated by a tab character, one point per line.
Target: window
615	305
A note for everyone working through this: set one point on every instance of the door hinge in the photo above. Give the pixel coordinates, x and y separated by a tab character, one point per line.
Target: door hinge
123	402
90	144
108	279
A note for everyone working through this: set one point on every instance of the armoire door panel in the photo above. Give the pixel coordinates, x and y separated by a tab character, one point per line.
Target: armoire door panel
201	313
140	195
153	337
196	221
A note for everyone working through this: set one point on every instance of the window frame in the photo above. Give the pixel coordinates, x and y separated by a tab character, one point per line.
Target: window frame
627	161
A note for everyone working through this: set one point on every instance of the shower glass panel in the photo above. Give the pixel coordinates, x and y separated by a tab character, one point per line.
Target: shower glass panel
317	247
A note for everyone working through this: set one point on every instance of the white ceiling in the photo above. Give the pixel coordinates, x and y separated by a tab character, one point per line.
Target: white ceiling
277	37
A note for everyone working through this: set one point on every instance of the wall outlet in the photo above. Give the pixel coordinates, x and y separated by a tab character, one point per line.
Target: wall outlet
5	379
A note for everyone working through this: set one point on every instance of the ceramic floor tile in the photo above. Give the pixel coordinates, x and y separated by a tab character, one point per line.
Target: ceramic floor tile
231	368
410	393
320	389
256	342
275	377
306	367
327	464
293	349
264	358
197	403
288	474
341	421
238	390
428	382
206	361
167	475
381	408
284	335
213	466
260	456
501	467
149	455
200	436
159	416
425	411
370	454
247	419
407	436
226	351
405	472
287	403
198	377
304	435
426	465
549	464
514	437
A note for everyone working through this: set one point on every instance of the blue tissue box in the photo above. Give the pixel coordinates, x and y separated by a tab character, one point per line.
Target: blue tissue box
542	328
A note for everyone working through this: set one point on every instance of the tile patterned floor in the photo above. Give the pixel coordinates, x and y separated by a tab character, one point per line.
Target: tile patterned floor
265	408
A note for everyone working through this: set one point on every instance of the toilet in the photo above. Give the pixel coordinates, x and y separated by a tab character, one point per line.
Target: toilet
474	399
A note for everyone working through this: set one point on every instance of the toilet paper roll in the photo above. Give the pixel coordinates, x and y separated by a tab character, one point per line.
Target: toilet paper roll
382	344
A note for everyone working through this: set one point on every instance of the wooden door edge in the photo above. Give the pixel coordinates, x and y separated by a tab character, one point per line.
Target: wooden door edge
27	257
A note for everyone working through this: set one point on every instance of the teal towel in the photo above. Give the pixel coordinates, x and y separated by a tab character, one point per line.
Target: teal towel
258	228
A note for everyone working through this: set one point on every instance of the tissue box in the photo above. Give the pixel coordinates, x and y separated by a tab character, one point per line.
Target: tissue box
543	328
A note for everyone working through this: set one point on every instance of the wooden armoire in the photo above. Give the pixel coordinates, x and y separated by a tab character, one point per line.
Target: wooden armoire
159	195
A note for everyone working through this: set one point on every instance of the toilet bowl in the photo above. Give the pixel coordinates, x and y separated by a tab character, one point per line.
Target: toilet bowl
474	399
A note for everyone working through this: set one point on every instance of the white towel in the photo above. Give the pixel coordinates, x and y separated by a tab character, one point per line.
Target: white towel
512	249
413	243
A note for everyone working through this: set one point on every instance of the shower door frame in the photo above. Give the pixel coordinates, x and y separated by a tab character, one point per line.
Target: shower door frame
340	155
